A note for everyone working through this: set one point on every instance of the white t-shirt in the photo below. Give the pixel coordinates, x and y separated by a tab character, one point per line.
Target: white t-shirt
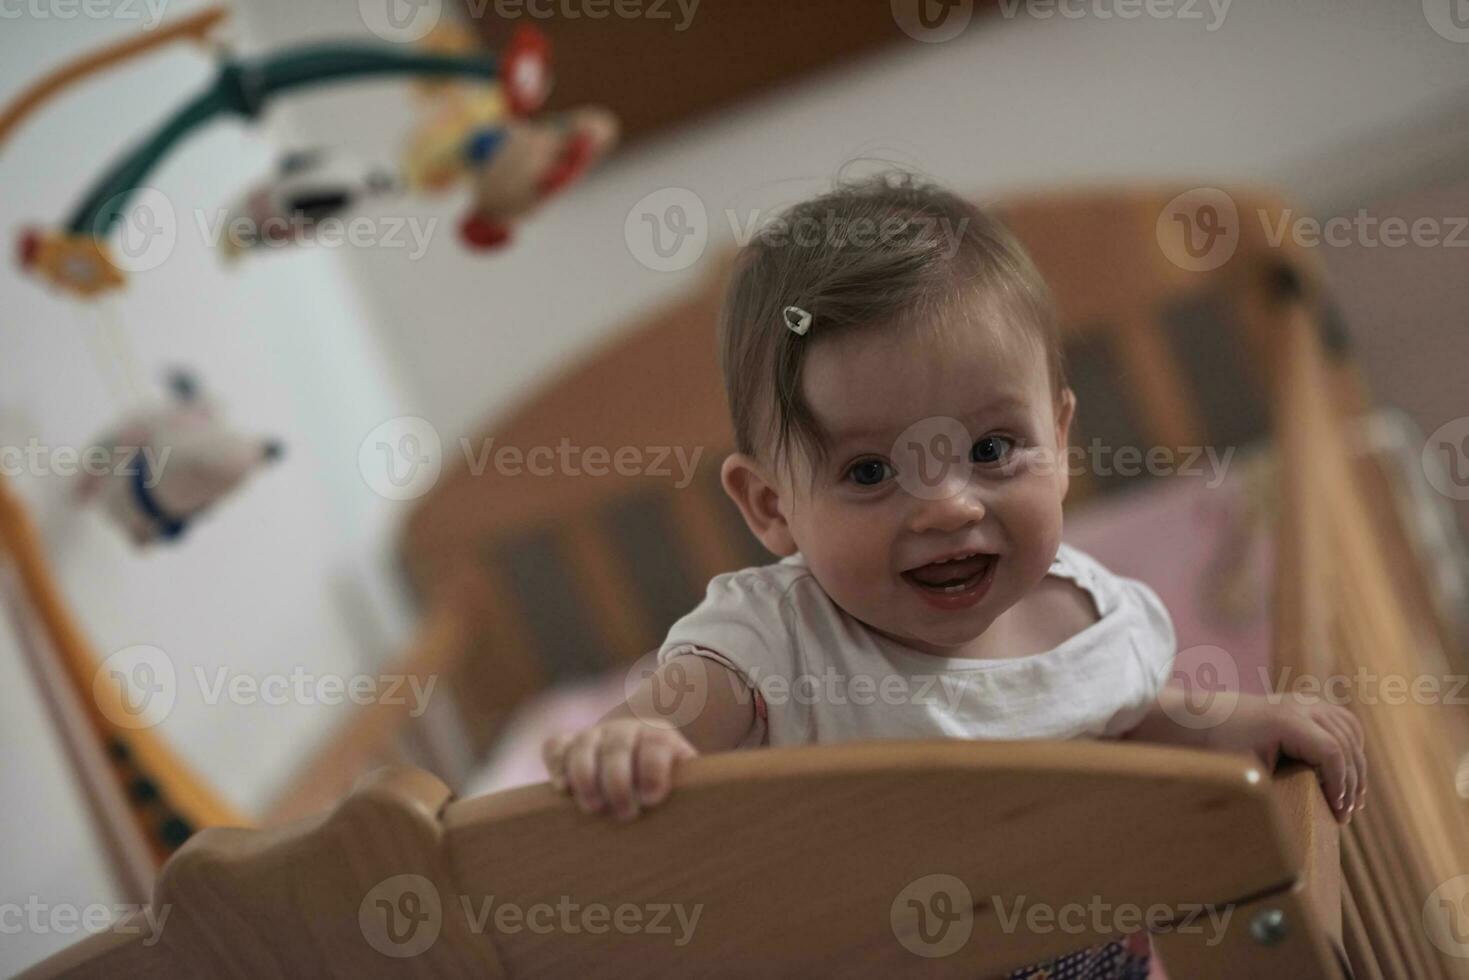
818	675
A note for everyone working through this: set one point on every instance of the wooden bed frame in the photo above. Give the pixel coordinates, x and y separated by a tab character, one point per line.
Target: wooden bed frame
815	860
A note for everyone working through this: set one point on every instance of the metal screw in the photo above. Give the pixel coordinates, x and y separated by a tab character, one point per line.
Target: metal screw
1268	927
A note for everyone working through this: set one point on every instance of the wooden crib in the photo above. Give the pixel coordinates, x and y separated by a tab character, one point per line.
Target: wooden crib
872	859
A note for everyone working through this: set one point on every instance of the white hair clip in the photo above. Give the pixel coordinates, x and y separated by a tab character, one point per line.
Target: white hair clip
797	320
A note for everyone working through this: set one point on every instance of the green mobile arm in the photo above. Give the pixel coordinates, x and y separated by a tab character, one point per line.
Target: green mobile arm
244	88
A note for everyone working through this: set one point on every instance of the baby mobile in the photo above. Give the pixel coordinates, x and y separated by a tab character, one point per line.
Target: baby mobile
481	130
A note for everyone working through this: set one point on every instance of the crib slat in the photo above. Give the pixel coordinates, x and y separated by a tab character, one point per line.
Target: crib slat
1357	941
1415	834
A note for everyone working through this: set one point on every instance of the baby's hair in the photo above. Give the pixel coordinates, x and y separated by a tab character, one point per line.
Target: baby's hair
873	253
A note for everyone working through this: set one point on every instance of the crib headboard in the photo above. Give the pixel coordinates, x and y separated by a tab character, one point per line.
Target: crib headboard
1397	894
940	844
1159	354
1162	352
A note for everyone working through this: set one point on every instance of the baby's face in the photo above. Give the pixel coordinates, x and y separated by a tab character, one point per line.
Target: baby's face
939	503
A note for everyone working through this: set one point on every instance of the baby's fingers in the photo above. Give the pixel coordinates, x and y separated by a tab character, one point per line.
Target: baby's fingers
553	754
657	755
581	771
615	762
1307	741
1349	735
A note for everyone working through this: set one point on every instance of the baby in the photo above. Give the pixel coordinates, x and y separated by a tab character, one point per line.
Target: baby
901	412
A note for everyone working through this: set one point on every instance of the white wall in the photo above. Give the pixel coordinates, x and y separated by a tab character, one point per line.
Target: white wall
320	350
256	585
1268	96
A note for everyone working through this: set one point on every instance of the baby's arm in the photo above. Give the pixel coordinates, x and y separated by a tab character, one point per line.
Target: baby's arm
1319	734
625	761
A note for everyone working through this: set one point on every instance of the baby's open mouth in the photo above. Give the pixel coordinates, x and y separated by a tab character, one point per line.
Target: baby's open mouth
954	576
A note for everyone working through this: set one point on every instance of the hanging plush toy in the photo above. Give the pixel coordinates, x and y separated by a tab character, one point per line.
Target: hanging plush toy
529	161
481	133
170	464
488	138
308	187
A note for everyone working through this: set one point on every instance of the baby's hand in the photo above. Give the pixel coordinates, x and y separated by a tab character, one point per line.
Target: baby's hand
1319	734
621	764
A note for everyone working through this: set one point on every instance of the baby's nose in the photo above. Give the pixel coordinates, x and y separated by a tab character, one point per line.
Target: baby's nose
954	509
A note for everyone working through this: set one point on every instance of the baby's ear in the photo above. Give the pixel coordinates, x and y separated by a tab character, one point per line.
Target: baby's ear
755	494
1065	412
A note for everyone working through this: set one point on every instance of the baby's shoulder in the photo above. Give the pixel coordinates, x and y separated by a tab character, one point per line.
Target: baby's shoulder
780	583
755	617
1063	606
1115	596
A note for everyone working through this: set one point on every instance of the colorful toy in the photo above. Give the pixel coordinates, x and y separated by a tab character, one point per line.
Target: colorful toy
308	187
170	464
481	133
483	136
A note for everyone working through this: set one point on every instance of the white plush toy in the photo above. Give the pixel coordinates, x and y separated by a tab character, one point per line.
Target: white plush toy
308	187
169	464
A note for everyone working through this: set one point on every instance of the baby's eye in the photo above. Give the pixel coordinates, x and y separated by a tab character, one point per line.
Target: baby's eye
991	449
868	472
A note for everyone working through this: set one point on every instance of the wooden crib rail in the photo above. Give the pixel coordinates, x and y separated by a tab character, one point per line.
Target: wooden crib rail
796	862
1342	619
